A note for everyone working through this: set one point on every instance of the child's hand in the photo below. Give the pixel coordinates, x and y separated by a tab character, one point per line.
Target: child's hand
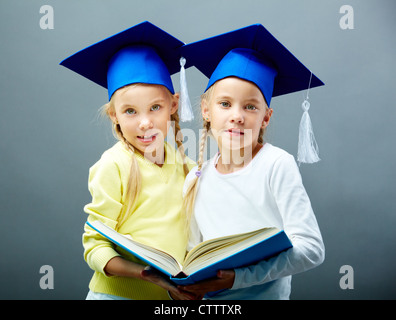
152	275
225	280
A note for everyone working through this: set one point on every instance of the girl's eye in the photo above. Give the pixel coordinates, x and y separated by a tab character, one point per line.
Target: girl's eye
250	107
155	107
130	111
225	104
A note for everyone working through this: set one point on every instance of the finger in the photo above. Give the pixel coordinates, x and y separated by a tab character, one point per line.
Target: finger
195	290
157	279
183	295
224	274
145	273
201	286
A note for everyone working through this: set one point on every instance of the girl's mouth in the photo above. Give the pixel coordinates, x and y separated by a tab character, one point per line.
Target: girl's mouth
147	139
235	132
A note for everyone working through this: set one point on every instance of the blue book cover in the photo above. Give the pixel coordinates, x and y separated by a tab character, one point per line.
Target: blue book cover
262	250
207	258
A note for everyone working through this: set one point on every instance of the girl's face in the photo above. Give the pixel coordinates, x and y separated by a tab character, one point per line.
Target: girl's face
143	113
237	111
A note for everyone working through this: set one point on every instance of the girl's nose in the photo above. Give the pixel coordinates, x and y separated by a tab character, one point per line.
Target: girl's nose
237	116
145	124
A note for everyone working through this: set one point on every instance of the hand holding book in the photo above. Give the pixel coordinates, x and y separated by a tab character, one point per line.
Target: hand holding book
224	280
176	293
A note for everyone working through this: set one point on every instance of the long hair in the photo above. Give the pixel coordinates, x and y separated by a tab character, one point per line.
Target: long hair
134	180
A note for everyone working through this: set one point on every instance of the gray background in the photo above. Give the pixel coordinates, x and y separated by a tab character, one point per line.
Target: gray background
50	131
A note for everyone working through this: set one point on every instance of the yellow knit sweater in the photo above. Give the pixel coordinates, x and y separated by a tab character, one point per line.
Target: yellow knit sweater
156	219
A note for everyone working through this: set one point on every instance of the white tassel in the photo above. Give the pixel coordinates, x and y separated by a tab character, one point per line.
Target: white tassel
186	113
308	151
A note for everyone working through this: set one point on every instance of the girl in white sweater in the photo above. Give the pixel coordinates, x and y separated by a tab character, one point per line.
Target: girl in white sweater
249	184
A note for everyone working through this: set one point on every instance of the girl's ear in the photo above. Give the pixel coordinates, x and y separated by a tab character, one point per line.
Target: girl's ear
175	103
113	115
205	110
267	118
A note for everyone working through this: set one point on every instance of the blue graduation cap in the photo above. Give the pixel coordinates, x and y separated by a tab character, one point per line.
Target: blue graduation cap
143	53
251	53
254	54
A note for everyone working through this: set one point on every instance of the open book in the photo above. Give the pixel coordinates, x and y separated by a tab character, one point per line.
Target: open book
205	259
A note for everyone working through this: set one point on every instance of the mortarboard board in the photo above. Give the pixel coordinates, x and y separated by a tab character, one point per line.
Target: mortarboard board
251	53
143	53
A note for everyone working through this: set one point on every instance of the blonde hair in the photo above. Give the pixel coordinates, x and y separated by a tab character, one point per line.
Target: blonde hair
191	192
134	181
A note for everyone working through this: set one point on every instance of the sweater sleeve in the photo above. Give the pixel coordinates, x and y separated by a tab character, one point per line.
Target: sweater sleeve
104	184
299	224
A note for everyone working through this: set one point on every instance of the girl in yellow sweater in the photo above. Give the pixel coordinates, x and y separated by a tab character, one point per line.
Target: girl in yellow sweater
136	186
